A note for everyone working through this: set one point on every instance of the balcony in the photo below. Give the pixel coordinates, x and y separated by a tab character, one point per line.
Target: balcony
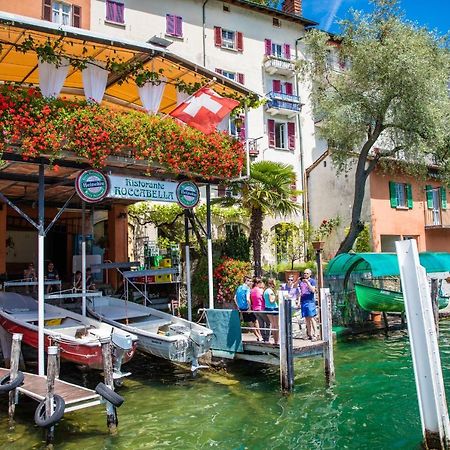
284	104
279	66
253	147
437	218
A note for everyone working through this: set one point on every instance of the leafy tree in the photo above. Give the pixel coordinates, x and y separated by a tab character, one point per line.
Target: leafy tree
271	3
288	242
266	192
391	101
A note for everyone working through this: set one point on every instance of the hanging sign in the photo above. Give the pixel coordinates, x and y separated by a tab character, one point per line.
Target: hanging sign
91	186
147	189
188	194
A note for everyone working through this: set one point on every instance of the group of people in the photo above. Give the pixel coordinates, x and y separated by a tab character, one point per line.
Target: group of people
258	303
51	274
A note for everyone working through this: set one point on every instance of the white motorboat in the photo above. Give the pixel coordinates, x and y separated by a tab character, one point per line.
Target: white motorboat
159	333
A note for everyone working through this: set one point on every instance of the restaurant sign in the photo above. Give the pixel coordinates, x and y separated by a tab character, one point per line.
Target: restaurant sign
147	189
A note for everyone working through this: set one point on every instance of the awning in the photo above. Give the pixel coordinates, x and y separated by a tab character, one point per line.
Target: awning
383	264
15	66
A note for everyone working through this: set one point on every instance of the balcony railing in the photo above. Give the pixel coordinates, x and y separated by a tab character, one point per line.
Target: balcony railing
281	66
280	103
253	147
437	218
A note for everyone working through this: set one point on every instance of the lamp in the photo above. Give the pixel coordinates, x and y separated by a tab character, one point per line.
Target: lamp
122	215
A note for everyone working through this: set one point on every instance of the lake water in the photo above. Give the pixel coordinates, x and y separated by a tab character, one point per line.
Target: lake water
372	405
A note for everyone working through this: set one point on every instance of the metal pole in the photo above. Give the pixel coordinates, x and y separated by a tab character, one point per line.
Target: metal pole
424	347
188	265
41	274
319	284
14	368
247	141
328	353
209	243
52	373
83	259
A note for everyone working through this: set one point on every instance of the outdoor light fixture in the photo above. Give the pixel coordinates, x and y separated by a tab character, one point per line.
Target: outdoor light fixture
122	215
239	121
159	41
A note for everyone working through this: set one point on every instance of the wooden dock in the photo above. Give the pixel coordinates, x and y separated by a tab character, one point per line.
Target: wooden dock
76	397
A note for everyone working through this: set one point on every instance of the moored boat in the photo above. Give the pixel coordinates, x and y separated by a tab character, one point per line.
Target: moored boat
79	338
372	298
160	334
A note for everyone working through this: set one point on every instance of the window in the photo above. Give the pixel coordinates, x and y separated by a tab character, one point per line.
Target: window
276	22
174	25
277	50
281	134
232	40
282	87
235	76
400	195
115	11
230	75
436	201
226	8
61	13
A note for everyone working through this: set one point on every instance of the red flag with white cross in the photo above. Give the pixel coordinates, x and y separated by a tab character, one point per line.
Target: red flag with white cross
204	110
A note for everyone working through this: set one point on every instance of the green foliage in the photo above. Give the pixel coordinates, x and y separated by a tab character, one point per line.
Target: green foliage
389	100
363	242
228	275
236	245
288	241
326	227
270	3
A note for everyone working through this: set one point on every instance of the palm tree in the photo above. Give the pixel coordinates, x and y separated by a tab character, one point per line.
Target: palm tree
268	191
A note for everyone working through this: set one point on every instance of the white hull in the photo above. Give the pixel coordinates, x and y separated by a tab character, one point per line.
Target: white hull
160	334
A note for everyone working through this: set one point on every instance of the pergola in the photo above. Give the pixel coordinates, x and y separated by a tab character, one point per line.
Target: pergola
32	180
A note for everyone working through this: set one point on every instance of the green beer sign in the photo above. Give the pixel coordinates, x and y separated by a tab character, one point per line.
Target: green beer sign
188	194
91	186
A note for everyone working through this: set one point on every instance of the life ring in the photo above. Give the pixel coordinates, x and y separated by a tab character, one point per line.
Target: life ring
109	395
40	418
6	385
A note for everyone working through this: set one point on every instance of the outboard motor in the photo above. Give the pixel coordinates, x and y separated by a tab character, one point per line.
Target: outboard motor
122	344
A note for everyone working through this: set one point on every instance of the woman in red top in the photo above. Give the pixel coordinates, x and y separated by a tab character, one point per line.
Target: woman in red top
258	304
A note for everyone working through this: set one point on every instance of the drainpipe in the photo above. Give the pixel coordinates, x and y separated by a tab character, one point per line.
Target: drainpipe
304	186
204	31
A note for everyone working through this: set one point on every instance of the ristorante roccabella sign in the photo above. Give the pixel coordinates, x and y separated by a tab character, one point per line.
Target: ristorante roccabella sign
137	189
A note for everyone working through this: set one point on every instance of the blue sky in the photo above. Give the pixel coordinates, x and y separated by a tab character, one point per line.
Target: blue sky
431	13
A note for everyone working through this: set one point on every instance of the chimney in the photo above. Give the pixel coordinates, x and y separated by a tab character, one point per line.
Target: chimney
292	7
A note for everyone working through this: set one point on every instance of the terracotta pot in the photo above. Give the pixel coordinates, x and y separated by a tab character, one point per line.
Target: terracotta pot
294	273
318	245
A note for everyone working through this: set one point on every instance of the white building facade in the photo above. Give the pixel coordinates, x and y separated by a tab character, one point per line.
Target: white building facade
249	43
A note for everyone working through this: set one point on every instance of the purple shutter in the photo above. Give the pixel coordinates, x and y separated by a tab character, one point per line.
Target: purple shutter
218	36
170	24
287	51
291	135
276	85
241	78
239	41
289	89
178	26
242	130
271	130
219	71
268	47
47	10
76	16
115	11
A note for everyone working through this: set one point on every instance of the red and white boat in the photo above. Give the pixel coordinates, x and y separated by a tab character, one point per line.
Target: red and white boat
78	337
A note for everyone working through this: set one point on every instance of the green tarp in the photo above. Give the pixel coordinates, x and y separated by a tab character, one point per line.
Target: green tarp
383	264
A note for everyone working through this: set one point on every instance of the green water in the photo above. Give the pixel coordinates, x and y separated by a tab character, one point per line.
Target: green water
372	405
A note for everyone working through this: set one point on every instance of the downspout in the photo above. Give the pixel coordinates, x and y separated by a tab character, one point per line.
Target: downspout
204	31
304	186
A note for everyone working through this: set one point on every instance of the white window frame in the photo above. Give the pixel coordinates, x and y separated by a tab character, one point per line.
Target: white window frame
228	39
230	75
61	13
281	135
275	48
401	195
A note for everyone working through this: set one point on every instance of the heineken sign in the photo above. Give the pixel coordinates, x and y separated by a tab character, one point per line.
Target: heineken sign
91	186
185	193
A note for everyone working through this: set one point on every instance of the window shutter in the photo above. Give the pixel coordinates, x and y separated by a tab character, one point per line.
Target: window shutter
271	130
429	191
76	16
239	41
221	190
287	51
242	130
409	196
393	194
47	10
240	78
276	86
178	26
170	24
291	135
218	36
268	47
218	71
289	88
443	197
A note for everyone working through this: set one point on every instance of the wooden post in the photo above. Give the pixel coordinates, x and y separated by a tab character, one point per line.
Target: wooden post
111	412
52	373
386	323
434	302
15	358
318	247
327	320
286	345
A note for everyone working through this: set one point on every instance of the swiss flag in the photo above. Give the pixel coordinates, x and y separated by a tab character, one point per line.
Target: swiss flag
204	110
